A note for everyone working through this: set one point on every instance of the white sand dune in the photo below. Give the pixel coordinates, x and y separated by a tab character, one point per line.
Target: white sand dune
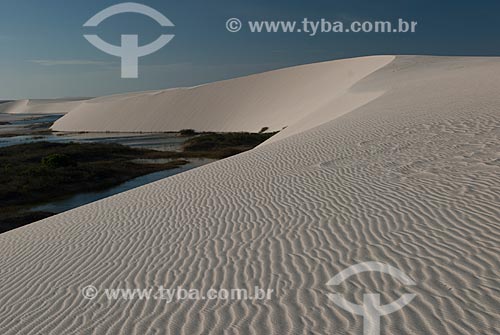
409	176
31	106
273	99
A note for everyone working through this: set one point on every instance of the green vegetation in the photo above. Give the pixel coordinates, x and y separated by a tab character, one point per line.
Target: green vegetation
53	161
222	145
39	172
187	132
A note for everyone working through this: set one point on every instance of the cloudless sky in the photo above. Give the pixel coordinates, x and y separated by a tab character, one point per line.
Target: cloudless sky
44	55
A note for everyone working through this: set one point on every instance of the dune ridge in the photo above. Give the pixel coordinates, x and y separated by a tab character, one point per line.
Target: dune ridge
410	179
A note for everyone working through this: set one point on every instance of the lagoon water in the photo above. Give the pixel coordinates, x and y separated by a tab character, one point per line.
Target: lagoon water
21	130
88	197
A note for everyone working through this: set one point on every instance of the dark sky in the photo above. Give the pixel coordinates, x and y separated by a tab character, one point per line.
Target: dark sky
44	55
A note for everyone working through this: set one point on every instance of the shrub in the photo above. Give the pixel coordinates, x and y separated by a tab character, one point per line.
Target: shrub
263	130
187	132
56	160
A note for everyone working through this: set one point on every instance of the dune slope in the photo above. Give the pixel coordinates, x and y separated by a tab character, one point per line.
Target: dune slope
410	179
273	99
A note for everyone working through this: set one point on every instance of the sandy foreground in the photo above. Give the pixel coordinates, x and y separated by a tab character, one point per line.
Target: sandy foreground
388	159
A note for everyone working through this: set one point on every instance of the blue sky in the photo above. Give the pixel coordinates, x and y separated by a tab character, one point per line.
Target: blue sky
43	53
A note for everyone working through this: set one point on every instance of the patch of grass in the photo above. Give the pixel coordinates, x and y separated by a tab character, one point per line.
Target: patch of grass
53	161
221	145
36	172
39	171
